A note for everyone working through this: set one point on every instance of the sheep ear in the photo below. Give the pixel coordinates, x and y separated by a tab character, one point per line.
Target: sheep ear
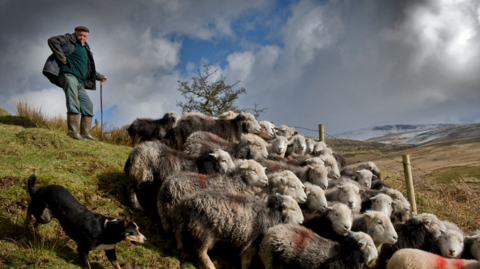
426	221
244	165
127	220
329	208
369	215
374	177
250	140
307	192
295	133
214	154
291	141
362	242
361	191
373	198
340	187
394	203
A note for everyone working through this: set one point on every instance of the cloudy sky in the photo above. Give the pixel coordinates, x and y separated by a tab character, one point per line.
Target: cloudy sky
347	64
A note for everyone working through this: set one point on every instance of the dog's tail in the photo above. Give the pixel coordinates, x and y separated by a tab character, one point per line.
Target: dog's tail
32	188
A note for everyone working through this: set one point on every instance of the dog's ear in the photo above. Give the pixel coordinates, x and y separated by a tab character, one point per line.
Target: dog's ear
127	220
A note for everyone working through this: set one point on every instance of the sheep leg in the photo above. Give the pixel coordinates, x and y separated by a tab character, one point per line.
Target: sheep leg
266	256
201	251
246	256
133	199
164	217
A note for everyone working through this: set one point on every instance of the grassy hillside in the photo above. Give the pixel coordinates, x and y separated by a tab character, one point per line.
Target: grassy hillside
93	172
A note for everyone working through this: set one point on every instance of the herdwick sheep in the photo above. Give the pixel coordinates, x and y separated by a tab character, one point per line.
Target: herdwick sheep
310	146
268	130
294	246
277	147
364	177
448	245
341	162
334	223
250	146
331	165
230	130
348	194
246	175
380	202
377	225
471	247
402	210
304	160
208	217
296	145
418	232
316	200
284	130
151	162
316	174
229	115
452	226
319	146
409	258
286	183
147	129
350	171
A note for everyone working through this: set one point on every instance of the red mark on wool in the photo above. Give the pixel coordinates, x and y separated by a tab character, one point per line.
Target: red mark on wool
237	201
302	237
459	264
171	157
216	138
201	180
276	166
440	263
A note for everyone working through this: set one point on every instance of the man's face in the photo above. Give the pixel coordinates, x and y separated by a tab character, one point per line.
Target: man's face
81	36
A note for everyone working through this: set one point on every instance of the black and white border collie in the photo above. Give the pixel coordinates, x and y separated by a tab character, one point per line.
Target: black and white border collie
90	230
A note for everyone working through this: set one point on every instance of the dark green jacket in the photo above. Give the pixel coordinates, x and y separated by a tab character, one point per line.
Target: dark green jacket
61	46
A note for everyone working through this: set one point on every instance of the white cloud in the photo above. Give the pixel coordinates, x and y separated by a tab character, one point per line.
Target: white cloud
50	101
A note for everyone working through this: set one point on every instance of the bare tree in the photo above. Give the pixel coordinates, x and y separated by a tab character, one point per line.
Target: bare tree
209	98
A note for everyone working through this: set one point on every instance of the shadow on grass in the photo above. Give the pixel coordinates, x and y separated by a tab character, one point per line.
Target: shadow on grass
17	120
29	238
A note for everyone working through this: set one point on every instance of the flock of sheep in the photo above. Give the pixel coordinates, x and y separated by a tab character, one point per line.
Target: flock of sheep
269	191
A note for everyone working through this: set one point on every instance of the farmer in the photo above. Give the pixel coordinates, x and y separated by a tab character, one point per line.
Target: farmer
71	67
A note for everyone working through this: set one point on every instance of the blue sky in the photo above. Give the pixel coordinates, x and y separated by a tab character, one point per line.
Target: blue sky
346	64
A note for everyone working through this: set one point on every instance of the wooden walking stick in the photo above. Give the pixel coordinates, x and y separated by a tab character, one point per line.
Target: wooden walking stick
101	105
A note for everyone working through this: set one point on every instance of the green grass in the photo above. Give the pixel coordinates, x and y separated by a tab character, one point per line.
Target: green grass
93	173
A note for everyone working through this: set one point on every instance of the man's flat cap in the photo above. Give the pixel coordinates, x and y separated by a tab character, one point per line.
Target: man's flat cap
82	28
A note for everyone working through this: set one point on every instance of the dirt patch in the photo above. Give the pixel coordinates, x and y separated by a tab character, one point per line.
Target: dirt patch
8	181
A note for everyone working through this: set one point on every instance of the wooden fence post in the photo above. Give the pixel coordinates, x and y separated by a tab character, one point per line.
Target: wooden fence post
407	169
321	134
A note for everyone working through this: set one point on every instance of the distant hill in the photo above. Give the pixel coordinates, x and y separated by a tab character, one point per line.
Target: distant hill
444	134
412	134
391	133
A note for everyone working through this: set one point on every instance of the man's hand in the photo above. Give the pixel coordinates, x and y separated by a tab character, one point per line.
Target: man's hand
104	79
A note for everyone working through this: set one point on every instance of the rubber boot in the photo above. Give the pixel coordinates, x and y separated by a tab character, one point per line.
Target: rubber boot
85	126
73	122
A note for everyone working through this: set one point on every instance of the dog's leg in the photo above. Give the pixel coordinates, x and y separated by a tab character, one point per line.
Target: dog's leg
112	257
28	218
83	255
46	216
